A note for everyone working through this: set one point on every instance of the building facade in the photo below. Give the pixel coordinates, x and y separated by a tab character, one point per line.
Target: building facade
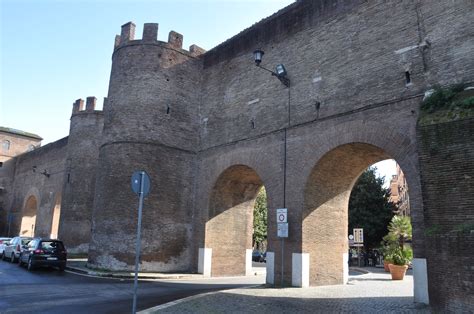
15	142
399	192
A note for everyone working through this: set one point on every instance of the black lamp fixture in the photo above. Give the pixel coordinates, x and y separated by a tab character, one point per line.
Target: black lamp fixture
280	71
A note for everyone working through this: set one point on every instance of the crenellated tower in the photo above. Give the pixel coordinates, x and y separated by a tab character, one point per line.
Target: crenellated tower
85	136
150	123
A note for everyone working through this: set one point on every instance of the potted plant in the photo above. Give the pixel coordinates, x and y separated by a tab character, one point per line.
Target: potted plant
387	255
400	260
393	243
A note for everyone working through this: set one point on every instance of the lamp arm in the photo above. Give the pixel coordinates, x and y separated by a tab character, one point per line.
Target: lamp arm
268	70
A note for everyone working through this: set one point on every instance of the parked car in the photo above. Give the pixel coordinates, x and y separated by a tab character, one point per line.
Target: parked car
258	256
12	250
44	252
3	242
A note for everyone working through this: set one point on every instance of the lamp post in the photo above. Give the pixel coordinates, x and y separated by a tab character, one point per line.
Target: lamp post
280	71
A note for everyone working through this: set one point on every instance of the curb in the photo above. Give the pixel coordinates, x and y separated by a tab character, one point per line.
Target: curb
93	273
360	270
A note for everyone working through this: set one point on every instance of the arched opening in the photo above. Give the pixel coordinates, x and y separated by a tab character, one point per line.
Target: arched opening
229	228
325	218
55	217
28	220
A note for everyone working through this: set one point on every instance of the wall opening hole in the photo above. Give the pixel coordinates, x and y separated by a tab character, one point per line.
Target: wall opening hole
168	109
407	77
68	177
253	124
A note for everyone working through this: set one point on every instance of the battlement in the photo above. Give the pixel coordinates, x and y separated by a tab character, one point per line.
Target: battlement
150	36
91	102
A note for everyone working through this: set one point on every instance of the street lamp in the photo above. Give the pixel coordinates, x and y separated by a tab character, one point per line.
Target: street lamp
280	71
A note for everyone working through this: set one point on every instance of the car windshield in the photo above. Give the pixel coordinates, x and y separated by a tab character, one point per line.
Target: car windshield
52	245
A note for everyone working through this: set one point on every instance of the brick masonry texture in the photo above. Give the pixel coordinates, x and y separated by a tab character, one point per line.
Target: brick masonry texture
211	128
447	173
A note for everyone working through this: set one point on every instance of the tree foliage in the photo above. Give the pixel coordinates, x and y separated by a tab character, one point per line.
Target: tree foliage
370	208
259	237
399	230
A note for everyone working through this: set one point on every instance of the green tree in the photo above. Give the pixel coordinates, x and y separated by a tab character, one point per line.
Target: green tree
370	208
259	237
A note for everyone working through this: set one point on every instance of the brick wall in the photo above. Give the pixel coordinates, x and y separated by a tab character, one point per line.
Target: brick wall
446	154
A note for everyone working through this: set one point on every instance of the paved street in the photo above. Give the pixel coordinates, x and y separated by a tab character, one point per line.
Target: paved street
50	291
367	293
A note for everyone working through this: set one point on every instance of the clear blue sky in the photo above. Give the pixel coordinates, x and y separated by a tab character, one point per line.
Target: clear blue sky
55	51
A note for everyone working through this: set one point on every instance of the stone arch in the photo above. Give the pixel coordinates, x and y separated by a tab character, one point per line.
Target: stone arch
229	225
395	144
325	214
28	219
328	186
55	217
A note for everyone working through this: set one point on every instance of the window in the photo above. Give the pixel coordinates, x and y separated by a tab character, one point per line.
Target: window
6	145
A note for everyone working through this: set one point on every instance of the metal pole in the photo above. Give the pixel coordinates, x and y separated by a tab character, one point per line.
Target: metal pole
138	246
282	258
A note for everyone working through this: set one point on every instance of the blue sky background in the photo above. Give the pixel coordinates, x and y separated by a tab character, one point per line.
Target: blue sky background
55	51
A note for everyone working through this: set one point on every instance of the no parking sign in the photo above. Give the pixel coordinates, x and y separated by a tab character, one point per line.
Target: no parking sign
282	214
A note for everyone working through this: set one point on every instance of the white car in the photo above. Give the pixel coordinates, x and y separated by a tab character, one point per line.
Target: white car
13	249
3	242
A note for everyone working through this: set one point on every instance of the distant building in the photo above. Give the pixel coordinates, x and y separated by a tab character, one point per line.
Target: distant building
399	193
15	142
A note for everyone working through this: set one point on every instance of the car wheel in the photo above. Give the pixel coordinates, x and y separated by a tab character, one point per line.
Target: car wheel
4	257
62	267
30	264
12	258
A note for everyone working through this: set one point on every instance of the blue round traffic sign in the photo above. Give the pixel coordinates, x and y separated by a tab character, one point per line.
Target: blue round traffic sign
141	182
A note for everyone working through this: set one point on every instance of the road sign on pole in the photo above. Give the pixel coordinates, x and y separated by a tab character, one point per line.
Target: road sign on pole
283	230
141	186
358	235
282	215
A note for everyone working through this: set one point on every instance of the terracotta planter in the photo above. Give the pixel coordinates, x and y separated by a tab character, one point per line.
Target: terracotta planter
385	266
398	272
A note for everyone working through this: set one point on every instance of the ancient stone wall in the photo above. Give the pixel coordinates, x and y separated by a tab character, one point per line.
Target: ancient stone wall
446	153
38	174
150	124
85	137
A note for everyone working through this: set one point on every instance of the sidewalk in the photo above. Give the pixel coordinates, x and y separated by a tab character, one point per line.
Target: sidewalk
79	265
372	292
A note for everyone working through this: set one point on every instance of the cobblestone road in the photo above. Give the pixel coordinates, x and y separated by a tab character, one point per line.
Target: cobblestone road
367	293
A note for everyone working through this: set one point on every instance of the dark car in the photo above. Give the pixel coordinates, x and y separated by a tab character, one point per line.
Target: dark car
44	252
258	256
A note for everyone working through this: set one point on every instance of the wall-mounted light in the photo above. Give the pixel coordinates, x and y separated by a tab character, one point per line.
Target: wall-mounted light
280	71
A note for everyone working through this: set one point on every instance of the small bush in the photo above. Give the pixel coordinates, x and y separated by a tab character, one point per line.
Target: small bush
446	98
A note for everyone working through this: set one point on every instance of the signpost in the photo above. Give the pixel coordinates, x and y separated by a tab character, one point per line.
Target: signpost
141	186
282	232
358	241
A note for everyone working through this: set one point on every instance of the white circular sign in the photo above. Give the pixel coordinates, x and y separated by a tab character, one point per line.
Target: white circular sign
281	218
351	237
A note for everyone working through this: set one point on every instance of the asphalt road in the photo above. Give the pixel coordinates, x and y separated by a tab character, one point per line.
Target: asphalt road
51	291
